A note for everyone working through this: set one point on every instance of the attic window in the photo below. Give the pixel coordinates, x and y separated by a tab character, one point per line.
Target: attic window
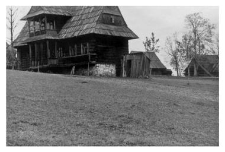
112	19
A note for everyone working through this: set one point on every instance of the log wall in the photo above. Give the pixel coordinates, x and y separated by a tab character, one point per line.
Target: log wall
103	50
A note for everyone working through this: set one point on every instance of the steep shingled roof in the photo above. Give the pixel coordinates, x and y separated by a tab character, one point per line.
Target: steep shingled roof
155	61
84	20
210	62
24	35
38	10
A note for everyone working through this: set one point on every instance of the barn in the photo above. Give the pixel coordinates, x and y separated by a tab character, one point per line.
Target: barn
207	65
142	64
87	40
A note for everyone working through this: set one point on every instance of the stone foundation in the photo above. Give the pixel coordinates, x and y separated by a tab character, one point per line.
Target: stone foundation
106	70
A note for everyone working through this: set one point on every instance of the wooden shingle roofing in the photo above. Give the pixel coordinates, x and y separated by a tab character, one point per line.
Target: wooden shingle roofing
210	62
155	61
84	20
38	10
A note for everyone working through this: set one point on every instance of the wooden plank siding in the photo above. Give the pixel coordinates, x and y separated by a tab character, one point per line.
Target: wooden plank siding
137	65
111	50
23	58
102	49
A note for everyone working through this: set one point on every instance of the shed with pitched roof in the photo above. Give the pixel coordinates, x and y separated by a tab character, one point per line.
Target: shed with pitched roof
207	65
142	64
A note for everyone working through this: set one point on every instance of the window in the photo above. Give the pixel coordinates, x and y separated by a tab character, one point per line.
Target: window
51	27
78	49
75	49
60	52
84	48
71	51
31	27
37	26
112	19
43	24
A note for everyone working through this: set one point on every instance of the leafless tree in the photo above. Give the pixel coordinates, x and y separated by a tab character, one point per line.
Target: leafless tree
151	44
201	31
11	26
215	48
174	49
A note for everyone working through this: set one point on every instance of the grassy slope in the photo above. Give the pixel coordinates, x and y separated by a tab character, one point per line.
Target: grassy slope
44	109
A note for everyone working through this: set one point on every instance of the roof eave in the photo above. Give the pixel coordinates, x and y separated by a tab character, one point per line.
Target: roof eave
43	13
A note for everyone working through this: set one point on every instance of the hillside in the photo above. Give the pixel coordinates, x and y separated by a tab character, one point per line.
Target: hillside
48	109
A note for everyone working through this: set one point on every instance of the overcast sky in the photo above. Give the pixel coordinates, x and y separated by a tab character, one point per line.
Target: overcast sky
161	20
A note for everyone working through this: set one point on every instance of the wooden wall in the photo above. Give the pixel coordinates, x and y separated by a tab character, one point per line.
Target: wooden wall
110	50
137	65
104	50
23	57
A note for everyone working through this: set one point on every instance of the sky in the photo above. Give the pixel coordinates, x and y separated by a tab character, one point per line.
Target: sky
143	20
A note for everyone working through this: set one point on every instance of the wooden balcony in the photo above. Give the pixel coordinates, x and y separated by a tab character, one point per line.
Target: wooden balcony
42	32
78	59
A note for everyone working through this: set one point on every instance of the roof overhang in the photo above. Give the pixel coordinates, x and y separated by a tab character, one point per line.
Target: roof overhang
45	12
19	45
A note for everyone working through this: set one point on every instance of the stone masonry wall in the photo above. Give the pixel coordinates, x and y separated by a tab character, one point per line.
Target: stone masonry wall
106	70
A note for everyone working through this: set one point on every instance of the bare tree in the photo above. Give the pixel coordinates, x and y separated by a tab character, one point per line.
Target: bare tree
217	43
151	44
11	26
174	49
215	47
201	31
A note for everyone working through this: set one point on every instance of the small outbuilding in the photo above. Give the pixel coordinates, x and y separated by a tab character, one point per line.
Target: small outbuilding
142	64
207	65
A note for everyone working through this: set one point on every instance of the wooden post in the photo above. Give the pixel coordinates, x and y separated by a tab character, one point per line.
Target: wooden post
122	69
56	52
72	71
36	54
75	49
30	53
87	47
88	64
48	51
81	48
123	66
38	66
42	53
34	26
45	22
19	58
54	25
150	72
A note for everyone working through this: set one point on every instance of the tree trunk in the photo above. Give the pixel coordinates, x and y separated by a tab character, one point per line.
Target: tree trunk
195	69
177	68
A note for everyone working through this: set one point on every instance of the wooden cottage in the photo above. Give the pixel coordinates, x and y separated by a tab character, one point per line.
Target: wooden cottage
207	65
142	64
88	39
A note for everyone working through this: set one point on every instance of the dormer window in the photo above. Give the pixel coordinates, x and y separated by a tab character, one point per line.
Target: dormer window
42	25
37	26
51	27
112	19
